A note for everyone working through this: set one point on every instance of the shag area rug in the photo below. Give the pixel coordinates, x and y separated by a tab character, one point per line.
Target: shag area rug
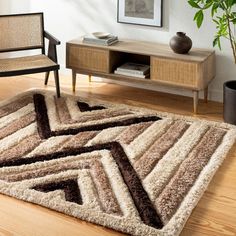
134	170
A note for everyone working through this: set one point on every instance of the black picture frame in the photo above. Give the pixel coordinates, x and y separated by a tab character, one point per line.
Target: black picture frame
155	19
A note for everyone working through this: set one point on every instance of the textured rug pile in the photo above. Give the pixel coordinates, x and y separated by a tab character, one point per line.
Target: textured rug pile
134	170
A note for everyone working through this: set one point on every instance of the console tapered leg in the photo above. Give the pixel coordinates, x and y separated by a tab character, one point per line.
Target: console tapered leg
73	80
195	101
206	95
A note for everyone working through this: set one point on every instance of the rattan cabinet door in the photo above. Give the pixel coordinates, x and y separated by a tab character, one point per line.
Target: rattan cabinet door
175	72
91	59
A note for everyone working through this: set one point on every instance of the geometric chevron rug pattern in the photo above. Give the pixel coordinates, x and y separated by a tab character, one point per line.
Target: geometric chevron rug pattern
134	170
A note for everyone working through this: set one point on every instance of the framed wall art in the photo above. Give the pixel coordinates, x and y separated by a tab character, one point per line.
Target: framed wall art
140	12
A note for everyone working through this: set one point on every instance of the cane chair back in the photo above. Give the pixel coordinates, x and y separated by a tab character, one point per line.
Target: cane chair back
21	32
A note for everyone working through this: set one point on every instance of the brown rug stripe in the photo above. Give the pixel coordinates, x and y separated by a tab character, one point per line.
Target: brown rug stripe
22	148
48	170
14	106
132	132
105	193
17	125
142	202
70	188
62	110
100	115
173	194
45	131
148	161
78	140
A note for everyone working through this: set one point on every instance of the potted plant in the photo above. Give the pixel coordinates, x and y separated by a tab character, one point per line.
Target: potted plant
224	16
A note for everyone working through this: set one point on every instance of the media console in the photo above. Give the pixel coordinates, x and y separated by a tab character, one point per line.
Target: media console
192	71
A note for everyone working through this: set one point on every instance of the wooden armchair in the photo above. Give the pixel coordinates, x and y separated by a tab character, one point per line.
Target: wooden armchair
26	32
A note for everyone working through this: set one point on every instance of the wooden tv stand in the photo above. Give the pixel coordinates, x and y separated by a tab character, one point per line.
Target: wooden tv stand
191	71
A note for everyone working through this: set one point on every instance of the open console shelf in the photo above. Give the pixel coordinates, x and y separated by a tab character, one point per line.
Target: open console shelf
119	58
191	71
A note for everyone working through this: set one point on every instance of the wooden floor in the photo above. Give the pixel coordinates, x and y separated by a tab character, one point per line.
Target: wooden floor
214	215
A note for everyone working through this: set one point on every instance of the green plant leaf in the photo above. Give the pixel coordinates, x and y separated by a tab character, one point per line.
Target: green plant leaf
207	5
230	3
216	42
199	18
214	9
194	4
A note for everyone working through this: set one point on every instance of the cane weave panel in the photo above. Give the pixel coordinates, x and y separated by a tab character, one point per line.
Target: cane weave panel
21	31
24	63
175	72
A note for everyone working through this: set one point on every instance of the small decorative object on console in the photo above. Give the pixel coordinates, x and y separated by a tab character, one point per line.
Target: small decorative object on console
100	38
181	43
133	70
101	35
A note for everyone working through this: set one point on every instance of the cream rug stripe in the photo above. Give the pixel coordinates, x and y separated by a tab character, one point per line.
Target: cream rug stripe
78	140
166	167
88	191
16	137
43	169
4	121
152	155
49	145
106	135
136	148
6	171
54	121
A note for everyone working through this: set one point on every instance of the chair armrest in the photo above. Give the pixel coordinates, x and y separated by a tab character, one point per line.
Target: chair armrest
51	38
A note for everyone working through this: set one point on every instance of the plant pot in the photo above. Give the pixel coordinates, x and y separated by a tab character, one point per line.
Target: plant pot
230	102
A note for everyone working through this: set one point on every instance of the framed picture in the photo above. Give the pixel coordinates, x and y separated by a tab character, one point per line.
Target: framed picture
140	12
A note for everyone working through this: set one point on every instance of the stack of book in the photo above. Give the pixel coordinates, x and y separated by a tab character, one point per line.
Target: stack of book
134	70
106	41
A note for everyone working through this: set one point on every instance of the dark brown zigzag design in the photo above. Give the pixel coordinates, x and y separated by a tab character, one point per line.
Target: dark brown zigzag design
45	132
83	106
141	200
70	188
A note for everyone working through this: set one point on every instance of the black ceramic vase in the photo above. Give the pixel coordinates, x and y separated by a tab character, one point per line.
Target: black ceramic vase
181	43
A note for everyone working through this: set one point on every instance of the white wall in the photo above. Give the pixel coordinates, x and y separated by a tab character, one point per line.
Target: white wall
68	19
11	6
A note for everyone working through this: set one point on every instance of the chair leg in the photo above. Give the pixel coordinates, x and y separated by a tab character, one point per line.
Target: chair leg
46	77
56	77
